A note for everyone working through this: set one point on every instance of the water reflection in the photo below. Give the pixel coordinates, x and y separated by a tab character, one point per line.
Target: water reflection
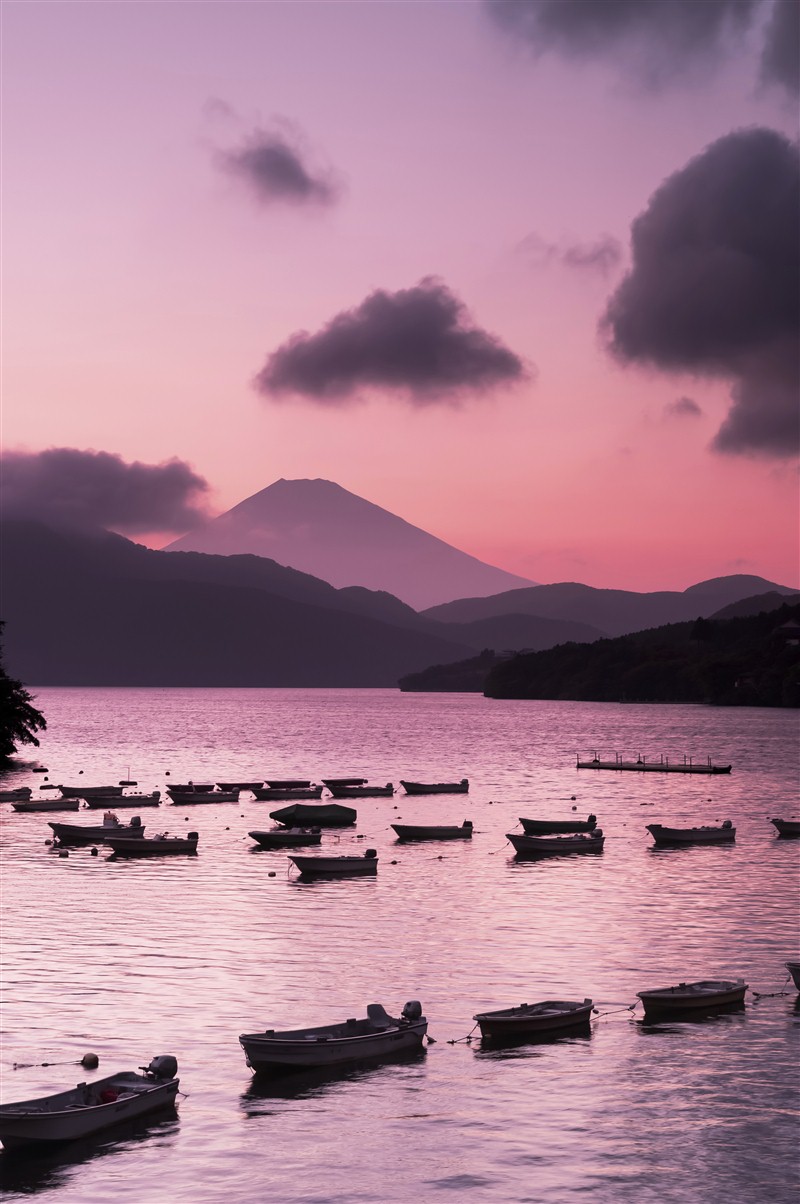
672	1021
320	1080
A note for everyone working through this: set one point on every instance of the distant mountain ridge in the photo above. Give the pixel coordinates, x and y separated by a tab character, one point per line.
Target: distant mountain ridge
318	527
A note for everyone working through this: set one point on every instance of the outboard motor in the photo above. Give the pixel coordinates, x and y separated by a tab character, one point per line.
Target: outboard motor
136	822
592	820
371	853
412	1011
726	823
164	1067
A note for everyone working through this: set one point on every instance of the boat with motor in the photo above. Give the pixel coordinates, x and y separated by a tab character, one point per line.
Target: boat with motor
705	834
277	794
461	787
794	970
786	827
363	791
693	996
359	866
534	1019
11	796
434	831
88	791
347	1042
90	833
662	765
152	846
47	804
548	846
286	838
315	815
549	827
90	1107
153	799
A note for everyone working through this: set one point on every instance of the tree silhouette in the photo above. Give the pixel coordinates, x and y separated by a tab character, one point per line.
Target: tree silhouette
19	719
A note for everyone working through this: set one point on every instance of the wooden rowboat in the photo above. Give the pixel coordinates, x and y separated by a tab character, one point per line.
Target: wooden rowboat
277	794
90	1107
195	797
152	846
286	838
693	996
547	846
378	1036
365	791
338	867
88	791
48	804
153	799
545	827
434	831
707	834
436	787
533	1019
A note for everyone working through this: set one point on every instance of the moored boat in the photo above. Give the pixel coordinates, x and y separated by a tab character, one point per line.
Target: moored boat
373	1038
277	794
194	798
359	866
88	791
90	1107
546	846
661	765
787	827
190	787
545	827
288	783
286	838
152	846
153	799
10	796
87	833
794	970
434	831
693	996
343	781
322	815
227	786
436	787
706	834
365	791
47	804
531	1019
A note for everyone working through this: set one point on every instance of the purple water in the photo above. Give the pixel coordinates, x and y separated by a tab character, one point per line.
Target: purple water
132	959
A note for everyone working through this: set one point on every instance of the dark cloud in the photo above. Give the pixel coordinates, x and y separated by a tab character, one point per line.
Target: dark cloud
271	163
654	40
715	285
780	61
682	407
88	488
418	340
602	255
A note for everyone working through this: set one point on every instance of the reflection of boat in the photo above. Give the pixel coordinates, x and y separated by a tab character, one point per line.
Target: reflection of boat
150	846
436	787
319	1080
194	797
691	996
276	794
530	1019
286	838
111	826
322	815
89	1108
707	834
10	796
376	1037
47	804
544	827
794	970
364	791
337	867
787	827
662	765
153	799
434	831
88	791
546	846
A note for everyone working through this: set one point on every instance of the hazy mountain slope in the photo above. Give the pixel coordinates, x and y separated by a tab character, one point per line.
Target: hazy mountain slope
755	606
521	631
321	528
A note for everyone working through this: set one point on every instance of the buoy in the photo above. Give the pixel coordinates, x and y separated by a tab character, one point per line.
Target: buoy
94	852
574	796
167	773
48	842
574	808
90	1061
271	874
63	853
393	863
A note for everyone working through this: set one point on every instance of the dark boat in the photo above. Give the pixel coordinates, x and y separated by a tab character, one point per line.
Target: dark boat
190	787
787	827
436	787
344	782
662	765
89	791
288	783
124	800
307	815
693	996
357	866
196	797
277	794
286	838
152	846
548	846
365	791
434	831
707	834
544	827
533	1019
794	970
241	785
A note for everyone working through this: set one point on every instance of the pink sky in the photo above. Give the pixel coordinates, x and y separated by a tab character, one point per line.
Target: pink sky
144	287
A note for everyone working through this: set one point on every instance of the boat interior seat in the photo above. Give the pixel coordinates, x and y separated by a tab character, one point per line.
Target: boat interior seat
378	1016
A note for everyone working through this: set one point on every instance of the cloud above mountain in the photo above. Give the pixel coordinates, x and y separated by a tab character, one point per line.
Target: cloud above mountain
417	342
91	489
273	164
714	287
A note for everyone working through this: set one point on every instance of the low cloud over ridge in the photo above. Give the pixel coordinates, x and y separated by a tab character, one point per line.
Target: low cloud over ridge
419	341
271	162
97	489
715	285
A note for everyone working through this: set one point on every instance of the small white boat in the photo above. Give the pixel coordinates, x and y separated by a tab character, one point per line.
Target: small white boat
152	846
11	796
794	970
111	826
547	846
532	1019
90	1107
48	804
350	1041
787	827
706	834
337	867
693	996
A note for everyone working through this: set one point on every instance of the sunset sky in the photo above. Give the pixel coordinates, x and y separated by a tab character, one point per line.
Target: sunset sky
440	195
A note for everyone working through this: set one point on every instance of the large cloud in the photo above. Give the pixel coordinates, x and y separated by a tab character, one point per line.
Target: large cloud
714	288
419	341
780	62
654	40
90	489
271	163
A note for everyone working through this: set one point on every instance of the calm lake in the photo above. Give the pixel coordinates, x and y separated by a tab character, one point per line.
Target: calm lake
132	959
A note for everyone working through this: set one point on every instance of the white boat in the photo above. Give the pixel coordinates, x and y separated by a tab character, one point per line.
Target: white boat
350	1041
532	1019
693	996
706	834
337	867
111	826
546	846
90	1107
150	846
48	804
794	970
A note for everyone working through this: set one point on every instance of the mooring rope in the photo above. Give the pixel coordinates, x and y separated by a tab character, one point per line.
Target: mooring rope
613	1011
773	994
458	1040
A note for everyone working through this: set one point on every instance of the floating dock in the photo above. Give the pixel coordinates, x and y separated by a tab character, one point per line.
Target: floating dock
653	765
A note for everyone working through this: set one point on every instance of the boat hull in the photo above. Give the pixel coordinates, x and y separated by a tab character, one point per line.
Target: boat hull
48	804
285	838
531	1021
144	846
94	833
271	1055
552	827
692	997
98	801
787	827
323	815
89	791
409	832
362	791
550	846
794	970
194	798
680	836
280	794
336	867
461	787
